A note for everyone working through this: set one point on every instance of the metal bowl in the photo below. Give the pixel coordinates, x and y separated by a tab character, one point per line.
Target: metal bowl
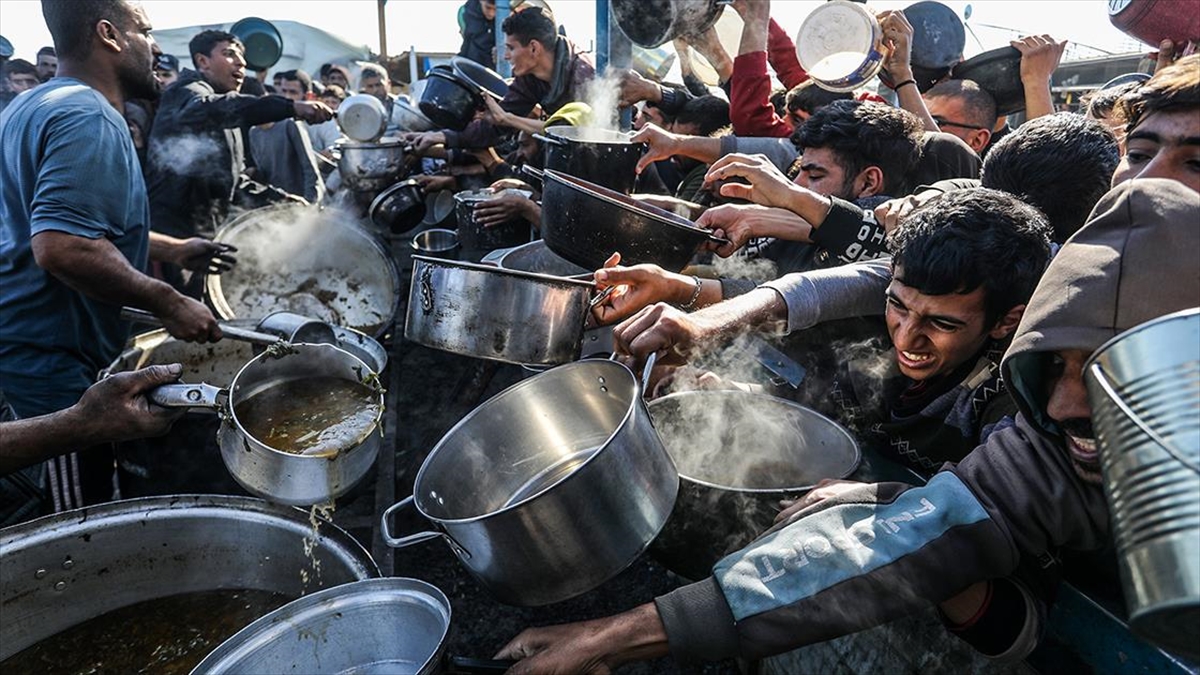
437	242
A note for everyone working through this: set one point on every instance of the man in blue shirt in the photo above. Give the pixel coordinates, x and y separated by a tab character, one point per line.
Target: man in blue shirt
74	227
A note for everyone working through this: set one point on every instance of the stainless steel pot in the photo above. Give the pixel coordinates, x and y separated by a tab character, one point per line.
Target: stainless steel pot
437	242
650	24
474	236
399	208
284	477
370	167
738	454
308	261
549	488
362	118
600	156
490	313
408	117
61	570
586	223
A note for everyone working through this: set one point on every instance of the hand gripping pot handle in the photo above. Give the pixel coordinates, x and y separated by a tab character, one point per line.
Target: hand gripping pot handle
186	396
402	542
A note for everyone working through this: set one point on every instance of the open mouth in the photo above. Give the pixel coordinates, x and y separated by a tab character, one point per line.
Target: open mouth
915	360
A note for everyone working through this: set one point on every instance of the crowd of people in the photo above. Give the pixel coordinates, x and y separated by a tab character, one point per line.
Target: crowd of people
980	262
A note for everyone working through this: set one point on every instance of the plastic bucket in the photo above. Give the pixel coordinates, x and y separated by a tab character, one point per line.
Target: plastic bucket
1144	388
838	45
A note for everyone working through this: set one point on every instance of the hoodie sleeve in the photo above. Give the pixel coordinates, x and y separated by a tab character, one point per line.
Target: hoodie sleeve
231	110
885	550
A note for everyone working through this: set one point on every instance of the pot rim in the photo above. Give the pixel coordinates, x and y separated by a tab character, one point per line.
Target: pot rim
501	271
762	492
298	349
639	207
557	132
513	391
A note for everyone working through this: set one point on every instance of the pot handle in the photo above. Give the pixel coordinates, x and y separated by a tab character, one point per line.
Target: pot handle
718	240
186	396
551	140
401	542
462	665
651	359
531	171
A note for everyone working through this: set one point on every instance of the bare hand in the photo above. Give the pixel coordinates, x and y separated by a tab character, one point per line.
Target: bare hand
660	144
897	36
768	186
1040	55
120	410
203	255
510	184
892	212
657	329
588	647
739	223
753	9
423	142
498	116
430	184
636	288
313	112
190	320
503	208
828	488
635	89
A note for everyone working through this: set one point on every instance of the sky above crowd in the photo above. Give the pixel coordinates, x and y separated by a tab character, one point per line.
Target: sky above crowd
431	25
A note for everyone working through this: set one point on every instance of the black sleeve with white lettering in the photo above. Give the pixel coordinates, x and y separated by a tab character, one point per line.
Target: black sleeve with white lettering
850	234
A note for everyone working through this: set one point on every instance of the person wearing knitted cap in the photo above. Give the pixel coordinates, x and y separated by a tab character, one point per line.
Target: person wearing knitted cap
854	555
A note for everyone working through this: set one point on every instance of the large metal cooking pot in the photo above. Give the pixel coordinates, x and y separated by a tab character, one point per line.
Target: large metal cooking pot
474	236
650	23
598	156
284	477
490	313
586	223
407	117
370	167
738	454
549	488
449	100
390	625
308	261
61	570
1144	387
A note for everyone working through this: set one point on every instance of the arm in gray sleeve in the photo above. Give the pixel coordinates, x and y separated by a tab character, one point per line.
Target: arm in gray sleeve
780	151
835	293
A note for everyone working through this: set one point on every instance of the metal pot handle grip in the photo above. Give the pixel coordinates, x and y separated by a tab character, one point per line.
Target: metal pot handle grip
551	140
1111	393
646	372
186	396
401	542
718	240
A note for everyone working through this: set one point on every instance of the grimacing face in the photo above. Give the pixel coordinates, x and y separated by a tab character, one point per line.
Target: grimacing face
1068	406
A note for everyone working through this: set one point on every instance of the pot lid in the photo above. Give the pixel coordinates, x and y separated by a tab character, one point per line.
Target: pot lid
362	117
480	77
998	72
938	35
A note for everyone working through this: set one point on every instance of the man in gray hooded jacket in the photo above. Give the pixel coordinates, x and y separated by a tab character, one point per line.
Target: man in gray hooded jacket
870	553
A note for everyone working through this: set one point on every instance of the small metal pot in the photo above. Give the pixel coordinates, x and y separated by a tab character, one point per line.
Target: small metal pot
438	243
362	118
408	117
287	478
369	167
448	100
399	208
549	488
598	156
650	24
474	236
487	81
491	313
586	223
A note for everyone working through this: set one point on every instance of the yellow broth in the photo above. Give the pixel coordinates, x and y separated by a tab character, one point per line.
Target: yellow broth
166	636
316	416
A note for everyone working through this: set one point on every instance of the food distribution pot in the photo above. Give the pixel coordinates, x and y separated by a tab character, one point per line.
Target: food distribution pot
371	167
491	313
738	454
474	236
549	488
449	100
61	570
650	23
607	158
285	477
586	223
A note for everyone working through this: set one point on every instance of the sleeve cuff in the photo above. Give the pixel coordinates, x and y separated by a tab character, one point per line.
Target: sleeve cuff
698	622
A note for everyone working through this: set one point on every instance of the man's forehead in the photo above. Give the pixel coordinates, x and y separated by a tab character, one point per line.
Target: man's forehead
1170	126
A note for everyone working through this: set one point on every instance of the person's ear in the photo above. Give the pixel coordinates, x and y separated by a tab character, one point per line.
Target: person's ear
201	61
978	140
869	182
1007	323
109	35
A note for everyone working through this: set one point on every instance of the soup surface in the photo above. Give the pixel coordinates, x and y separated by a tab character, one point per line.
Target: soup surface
319	416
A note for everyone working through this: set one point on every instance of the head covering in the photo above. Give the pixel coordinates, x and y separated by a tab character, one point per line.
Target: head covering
576	114
1133	261
166	62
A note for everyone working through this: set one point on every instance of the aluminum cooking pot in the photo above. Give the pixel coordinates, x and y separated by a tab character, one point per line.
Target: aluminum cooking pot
474	236
650	24
389	625
362	118
449	100
549	488
408	117
586	223
607	158
491	313
308	261
487	81
738	454
369	167
287	478
399	208
61	570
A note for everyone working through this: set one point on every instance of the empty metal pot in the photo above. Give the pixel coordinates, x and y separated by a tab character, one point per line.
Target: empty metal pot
650	23
474	236
549	488
449	100
490	313
399	208
362	118
437	243
1144	388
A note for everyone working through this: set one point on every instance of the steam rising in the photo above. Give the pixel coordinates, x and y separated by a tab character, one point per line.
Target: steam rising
189	155
603	94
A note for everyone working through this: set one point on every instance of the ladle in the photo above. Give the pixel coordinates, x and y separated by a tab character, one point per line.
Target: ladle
231	332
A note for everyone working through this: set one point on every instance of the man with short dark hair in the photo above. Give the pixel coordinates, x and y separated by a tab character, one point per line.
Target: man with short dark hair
47	63
1162	125
197	156
477	25
283	151
75	230
963	108
21	75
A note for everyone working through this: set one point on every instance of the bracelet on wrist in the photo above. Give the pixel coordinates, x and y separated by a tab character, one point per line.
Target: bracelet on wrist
906	82
695	294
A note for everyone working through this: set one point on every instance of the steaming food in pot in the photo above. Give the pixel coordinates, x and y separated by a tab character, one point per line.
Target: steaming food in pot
312	416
